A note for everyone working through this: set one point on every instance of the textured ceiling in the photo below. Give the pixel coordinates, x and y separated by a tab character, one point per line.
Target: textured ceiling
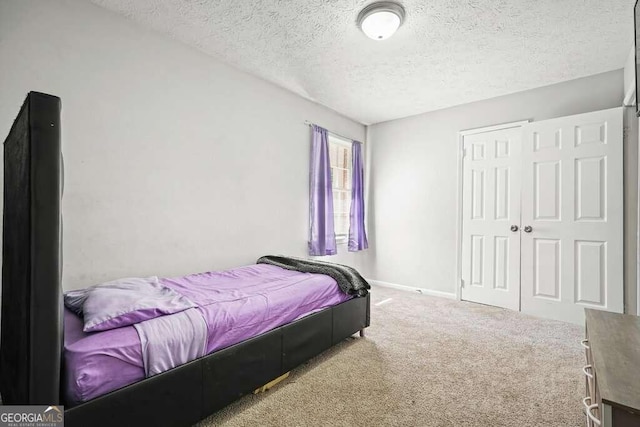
448	52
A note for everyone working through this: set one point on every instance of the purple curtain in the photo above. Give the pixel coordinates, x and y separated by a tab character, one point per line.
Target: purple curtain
322	236
357	233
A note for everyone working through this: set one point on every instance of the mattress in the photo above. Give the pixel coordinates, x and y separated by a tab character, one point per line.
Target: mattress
236	304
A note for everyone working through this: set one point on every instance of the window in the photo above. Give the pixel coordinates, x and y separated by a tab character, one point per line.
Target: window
340	159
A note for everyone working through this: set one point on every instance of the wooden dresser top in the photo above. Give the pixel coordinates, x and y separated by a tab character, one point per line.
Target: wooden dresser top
615	347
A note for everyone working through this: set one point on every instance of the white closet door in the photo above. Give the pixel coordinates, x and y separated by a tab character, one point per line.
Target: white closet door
491	206
572	208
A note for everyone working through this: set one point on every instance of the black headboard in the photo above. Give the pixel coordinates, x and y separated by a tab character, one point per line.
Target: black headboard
31	340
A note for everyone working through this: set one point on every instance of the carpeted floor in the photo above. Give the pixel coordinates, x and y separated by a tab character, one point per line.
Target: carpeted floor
430	361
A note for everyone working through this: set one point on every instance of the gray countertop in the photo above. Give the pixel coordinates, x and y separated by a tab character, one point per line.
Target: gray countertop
615	347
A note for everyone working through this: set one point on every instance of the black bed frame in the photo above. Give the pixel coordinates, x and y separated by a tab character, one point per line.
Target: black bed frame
31	343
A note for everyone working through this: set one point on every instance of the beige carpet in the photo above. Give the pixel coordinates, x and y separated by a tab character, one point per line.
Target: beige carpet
430	361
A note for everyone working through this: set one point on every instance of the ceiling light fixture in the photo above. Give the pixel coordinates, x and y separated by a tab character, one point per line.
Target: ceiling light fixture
381	20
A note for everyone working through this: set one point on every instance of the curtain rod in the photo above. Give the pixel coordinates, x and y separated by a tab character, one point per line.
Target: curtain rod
308	123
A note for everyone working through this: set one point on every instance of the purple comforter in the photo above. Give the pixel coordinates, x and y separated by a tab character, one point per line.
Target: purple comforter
236	304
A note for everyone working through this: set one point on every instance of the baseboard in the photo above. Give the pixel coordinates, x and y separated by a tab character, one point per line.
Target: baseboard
430	292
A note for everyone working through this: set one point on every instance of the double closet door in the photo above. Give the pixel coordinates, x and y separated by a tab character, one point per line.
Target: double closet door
542	216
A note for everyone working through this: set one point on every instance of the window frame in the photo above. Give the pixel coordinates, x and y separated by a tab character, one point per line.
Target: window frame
342	239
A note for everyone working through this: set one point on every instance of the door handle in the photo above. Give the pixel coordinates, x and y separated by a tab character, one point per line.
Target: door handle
514	228
528	229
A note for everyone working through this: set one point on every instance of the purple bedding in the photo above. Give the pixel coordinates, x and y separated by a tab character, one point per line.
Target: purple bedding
236	304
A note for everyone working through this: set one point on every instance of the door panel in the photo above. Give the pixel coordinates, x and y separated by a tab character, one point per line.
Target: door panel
477	260
590	268
477	195
572	199
546	271
491	204
501	261
502	193
591	191
546	191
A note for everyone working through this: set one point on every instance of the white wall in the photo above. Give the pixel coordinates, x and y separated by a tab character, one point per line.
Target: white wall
632	124
630	210
630	77
175	163
178	163
414	179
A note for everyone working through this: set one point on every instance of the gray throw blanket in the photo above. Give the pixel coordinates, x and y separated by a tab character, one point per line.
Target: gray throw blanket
348	278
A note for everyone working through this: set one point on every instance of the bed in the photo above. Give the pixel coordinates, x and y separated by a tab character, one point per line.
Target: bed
43	350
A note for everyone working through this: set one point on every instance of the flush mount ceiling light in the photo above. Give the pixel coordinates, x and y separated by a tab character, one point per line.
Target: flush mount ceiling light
381	20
